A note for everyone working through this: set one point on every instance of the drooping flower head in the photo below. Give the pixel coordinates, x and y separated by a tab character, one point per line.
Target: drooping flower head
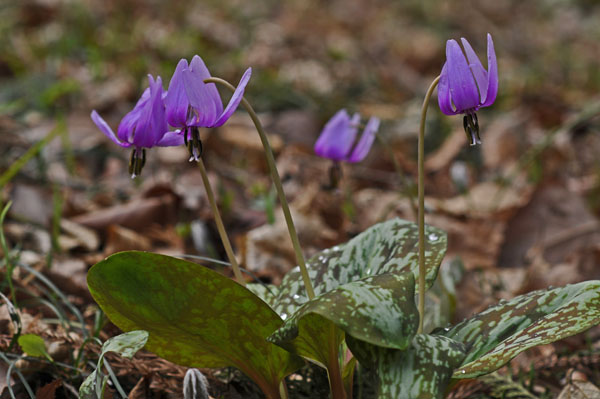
145	126
337	140
465	86
191	103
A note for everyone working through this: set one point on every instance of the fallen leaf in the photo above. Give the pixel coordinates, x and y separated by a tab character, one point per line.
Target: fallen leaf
48	391
444	155
579	390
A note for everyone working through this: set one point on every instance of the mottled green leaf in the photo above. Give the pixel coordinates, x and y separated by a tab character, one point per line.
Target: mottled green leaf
501	332
377	309
423	371
126	345
33	345
195	316
266	292
440	299
386	247
93	386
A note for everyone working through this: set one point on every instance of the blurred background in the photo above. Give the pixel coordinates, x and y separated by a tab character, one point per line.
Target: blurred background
521	209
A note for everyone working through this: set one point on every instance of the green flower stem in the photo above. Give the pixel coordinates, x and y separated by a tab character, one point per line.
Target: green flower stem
220	226
421	216
277	182
336	381
283	391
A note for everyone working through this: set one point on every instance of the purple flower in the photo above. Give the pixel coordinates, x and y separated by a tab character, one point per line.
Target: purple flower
337	140
191	103
465	86
143	127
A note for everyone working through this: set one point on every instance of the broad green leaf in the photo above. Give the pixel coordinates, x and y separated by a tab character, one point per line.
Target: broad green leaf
34	345
421	372
378	309
501	332
390	246
126	345
195	316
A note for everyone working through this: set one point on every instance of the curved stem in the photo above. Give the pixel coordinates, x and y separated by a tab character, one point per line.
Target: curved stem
421	216
277	182
219	222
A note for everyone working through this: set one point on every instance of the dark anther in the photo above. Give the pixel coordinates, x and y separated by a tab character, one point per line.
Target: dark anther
137	162
131	162
471	126
185	136
195	145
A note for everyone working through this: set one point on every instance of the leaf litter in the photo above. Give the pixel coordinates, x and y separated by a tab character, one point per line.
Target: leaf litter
521	214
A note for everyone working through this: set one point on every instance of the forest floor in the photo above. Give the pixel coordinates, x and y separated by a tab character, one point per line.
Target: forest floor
521	210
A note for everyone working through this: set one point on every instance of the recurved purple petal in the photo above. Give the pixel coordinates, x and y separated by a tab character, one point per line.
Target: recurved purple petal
176	100
235	100
337	137
158	117
171	139
477	69
152	123
199	67
127	126
366	141
444	100
204	98
492	91
463	89
103	126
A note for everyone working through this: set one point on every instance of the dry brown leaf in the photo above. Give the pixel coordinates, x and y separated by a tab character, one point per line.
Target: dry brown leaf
485	199
268	248
48	391
136	214
69	275
240	141
123	239
502	141
31	203
444	155
551	212
580	390
83	237
141	390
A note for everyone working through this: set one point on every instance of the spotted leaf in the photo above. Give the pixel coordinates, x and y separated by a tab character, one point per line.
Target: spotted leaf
391	246
501	332
377	309
423	371
195	316
126	345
